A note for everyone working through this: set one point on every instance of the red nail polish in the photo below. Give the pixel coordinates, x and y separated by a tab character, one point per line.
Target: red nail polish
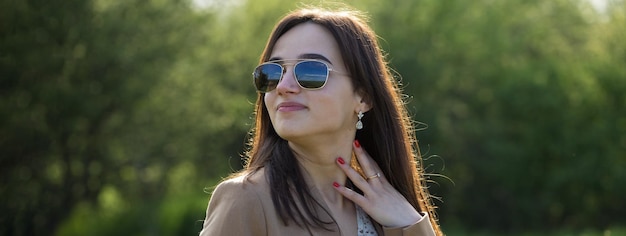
341	161
357	144
336	184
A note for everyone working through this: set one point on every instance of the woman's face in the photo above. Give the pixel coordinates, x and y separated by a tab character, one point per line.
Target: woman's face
321	115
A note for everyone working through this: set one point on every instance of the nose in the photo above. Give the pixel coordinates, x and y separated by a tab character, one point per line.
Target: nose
288	83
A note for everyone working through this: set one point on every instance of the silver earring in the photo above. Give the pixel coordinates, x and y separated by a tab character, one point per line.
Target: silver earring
359	124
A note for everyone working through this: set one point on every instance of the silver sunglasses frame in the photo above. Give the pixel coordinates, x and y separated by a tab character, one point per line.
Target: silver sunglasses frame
294	63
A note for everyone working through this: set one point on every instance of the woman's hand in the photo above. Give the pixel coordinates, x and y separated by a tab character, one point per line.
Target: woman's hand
380	200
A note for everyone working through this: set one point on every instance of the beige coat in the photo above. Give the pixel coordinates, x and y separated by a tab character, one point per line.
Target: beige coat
239	207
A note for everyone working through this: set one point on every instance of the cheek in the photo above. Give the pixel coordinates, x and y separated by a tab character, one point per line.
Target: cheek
268	100
338	108
268	103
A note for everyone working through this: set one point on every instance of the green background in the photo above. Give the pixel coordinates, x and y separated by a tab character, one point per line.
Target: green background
119	117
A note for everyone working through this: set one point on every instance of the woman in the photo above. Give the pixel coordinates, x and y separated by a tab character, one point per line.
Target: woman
333	150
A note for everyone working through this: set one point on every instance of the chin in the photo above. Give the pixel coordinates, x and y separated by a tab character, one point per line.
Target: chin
288	135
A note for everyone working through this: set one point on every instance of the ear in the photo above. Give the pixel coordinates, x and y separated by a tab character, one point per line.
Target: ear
363	102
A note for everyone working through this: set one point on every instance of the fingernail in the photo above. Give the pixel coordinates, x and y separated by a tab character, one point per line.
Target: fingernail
357	144
336	184
341	161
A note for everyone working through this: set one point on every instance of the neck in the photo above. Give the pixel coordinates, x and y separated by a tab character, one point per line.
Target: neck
320	167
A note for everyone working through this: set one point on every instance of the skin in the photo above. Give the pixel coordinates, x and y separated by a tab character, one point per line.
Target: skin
320	128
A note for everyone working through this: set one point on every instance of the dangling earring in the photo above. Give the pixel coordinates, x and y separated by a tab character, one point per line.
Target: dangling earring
359	124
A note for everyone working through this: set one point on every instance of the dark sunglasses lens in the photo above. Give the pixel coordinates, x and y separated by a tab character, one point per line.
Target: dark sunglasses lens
267	76
311	74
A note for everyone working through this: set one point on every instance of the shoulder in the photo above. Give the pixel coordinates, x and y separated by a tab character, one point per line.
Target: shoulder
244	182
236	200
245	188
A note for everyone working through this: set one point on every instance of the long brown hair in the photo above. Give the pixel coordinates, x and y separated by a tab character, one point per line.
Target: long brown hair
388	134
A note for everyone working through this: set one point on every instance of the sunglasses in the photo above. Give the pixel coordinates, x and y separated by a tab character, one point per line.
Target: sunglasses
311	74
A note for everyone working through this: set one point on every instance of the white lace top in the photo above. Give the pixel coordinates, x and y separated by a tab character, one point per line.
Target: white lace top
365	226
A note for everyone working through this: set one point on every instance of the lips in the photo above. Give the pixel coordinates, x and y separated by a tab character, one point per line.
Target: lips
290	106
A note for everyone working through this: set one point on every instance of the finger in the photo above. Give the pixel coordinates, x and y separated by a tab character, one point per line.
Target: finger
351	194
354	176
368	165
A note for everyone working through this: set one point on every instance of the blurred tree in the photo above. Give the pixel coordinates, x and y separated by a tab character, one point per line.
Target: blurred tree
42	43
74	74
515	109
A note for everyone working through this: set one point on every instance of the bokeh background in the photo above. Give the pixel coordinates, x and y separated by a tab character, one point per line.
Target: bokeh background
118	117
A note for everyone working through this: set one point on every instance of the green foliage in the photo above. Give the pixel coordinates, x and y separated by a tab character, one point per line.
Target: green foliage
174	215
79	108
116	115
516	109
